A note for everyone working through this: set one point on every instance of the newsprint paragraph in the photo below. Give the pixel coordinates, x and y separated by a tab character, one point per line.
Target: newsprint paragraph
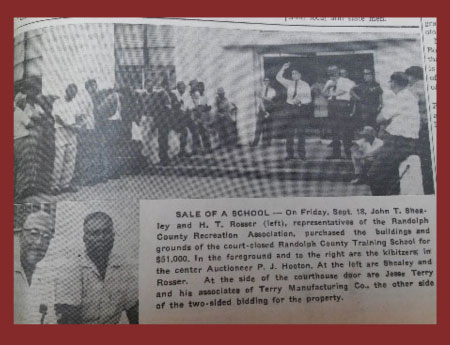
225	170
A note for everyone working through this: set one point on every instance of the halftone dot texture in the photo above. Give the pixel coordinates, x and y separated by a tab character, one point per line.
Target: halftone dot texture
118	55
234	59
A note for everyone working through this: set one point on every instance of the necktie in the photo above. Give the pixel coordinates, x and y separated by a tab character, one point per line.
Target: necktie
267	91
295	90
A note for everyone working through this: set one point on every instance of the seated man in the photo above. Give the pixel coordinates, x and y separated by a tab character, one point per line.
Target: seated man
363	152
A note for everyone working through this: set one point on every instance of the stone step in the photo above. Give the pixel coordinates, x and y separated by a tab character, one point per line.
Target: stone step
332	171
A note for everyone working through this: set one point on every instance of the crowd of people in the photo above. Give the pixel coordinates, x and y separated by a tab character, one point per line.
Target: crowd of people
387	132
61	143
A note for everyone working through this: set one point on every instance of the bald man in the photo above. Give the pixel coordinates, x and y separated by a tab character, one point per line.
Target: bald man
33	286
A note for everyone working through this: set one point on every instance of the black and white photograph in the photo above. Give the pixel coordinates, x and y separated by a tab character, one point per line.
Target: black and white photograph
76	263
157	111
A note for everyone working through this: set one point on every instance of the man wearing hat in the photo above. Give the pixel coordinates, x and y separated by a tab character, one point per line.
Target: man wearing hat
369	98
97	285
296	110
401	117
33	286
363	153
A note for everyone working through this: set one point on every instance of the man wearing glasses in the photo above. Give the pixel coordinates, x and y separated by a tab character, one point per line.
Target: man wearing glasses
33	288
97	286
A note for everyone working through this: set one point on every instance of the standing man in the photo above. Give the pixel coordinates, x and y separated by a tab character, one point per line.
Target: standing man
296	110
223	122
67	114
264	119
402	119
96	286
160	108
369	98
337	89
33	287
197	109
417	86
340	109
181	120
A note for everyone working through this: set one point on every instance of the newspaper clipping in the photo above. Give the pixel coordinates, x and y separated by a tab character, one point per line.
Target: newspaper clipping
225	170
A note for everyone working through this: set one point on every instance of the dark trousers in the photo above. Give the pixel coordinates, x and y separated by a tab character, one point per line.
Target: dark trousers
297	120
424	152
90	164
163	124
383	175
342	126
204	135
198	132
26	167
368	117
112	143
226	129
264	128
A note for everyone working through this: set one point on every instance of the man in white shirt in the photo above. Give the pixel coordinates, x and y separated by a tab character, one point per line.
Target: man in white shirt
67	114
337	90
181	121
296	110
364	151
264	118
401	117
33	284
97	286
27	142
417	87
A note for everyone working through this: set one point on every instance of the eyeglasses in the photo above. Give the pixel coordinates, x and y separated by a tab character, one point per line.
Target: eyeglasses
36	235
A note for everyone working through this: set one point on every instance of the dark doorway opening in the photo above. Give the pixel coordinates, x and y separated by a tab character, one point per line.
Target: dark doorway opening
313	69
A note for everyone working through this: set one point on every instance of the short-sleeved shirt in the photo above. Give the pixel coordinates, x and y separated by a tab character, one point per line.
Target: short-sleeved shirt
34	304
102	301
203	100
298	91
23	117
403	112
67	111
87	106
342	84
367	149
370	95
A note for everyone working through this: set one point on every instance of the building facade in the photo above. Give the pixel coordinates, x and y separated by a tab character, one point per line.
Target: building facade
237	60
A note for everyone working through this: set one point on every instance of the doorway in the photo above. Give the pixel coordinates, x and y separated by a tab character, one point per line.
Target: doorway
313	68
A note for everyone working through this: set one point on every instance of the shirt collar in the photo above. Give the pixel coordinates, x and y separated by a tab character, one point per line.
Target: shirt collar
113	261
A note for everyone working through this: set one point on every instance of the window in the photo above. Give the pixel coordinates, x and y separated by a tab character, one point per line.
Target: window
28	57
143	52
